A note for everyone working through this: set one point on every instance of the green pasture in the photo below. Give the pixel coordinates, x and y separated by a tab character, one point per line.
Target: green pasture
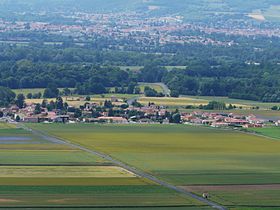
182	154
39	173
241	102
257	198
156	87
186	100
64	172
273	132
90	196
25	91
187	155
48	157
76	181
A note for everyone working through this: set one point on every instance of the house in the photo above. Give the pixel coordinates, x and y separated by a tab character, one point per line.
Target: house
61	119
30	119
119	120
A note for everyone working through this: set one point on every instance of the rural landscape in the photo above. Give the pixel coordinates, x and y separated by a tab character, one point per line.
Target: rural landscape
139	104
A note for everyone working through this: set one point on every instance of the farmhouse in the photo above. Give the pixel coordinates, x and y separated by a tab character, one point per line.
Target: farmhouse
119	120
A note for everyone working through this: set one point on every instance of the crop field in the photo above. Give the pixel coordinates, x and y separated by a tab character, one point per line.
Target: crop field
242	195
187	156
35	172
76	101
184	101
273	132
6	125
156	87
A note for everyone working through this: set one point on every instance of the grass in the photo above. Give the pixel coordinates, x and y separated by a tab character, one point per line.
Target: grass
77	102
44	174
90	196
184	101
273	132
266	198
182	154
156	87
78	181
63	172
186	155
47	156
238	102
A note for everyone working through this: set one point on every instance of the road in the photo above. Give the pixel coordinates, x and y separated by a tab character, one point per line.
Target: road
129	168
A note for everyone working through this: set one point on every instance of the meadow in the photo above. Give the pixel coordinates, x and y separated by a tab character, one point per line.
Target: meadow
273	132
186	155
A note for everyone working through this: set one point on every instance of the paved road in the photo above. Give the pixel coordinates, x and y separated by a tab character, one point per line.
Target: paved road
138	172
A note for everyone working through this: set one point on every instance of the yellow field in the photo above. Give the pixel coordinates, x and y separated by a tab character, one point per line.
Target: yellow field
6	125
64	171
184	101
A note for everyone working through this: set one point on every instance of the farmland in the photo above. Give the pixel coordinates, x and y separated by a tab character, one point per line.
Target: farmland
187	156
38	172
273	132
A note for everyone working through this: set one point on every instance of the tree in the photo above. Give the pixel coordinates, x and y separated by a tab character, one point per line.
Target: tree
20	100
59	103
29	96
44	103
51	91
137	90
66	91
174	94
37	109
7	96
18	118
111	112
131	88
176	118
215	105
88	98
78	113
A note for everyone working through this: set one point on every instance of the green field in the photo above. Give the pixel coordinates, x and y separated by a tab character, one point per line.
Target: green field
156	87
273	132
35	172
185	155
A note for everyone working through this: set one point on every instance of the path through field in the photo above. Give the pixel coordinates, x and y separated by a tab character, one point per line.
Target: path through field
129	168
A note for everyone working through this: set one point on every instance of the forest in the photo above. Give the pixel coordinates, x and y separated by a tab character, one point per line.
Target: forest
249	70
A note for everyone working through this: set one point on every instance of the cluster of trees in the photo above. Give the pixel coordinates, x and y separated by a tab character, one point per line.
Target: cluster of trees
150	92
7	96
260	83
211	70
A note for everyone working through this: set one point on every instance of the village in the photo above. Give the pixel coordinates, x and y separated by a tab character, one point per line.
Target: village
118	111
